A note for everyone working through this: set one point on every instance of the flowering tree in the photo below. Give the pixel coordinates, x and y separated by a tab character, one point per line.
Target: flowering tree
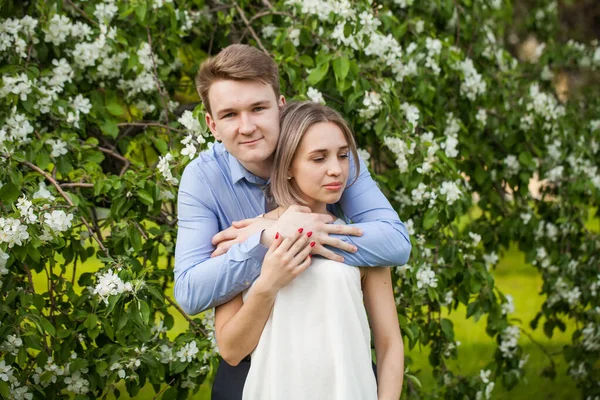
99	116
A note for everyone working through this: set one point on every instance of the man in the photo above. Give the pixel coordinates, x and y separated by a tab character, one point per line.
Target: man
240	90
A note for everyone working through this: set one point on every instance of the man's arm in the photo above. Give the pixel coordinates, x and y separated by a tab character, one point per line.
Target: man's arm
385	240
202	282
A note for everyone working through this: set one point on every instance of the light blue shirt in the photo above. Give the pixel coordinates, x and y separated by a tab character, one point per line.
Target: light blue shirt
216	189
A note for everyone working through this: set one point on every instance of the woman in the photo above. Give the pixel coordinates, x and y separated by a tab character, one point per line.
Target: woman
303	320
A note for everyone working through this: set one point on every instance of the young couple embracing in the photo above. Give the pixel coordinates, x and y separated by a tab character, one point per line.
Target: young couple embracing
283	230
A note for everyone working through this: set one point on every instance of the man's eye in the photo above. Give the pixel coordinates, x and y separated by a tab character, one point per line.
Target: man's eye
228	115
258	109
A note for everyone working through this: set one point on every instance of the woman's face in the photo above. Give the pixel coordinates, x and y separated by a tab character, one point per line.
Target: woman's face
320	167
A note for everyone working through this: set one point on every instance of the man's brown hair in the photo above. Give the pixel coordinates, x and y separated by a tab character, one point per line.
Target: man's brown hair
237	62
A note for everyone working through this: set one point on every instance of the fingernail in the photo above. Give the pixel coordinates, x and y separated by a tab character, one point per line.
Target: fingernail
312	244
310	256
300	230
355	248
309	234
277	235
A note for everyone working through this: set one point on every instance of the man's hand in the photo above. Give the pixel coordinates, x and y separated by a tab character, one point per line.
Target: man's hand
238	232
296	217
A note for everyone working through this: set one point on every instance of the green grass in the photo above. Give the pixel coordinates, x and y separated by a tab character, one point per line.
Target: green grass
513	276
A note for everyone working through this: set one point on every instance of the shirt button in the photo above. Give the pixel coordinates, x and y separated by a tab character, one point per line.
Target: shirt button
247	283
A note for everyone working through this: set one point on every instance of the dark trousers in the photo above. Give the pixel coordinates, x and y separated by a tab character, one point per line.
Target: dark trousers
229	381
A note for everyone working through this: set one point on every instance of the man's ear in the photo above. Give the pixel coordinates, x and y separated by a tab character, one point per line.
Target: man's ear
281	101
210	122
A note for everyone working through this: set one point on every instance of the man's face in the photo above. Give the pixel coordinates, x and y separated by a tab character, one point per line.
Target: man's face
245	118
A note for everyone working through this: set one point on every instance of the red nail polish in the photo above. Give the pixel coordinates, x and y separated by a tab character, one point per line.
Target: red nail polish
309	234
301	230
312	244
310	256
277	236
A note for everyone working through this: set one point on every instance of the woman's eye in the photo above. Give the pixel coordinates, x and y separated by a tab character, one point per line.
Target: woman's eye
320	159
345	155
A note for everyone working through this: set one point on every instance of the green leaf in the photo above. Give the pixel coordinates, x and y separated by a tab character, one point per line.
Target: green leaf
307	61
9	193
91	321
317	74
110	128
447	328
145	197
48	327
144	311
430	218
341	66
140	11
115	109
4	390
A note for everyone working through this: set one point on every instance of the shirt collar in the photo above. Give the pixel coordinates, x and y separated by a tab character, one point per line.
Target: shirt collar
238	172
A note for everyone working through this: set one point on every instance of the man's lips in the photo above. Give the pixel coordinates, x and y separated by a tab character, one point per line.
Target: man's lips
251	141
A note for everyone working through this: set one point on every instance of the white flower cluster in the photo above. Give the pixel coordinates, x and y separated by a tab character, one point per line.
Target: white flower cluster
422	193
165	169
51	369
16	130
208	321
489	386
10	30
144	81
58	220
473	84
434	49
372	105
19	85
3	261
509	306
546	229
451	191
194	128
509	341
563	291
315	96
188	352
76	383
12	344
105	11
426	278
12	232
512	165
490	260
582	166
401	150
544	104
412	115
25	208
432	147
59	148
591	337
109	284
451	134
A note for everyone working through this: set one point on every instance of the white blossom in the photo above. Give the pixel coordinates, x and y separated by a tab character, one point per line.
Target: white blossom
12	232
315	96
269	31
512	165
364	154
481	116
372	103
473	84
192	124
475	237
12	344
165	170
58	220
43	192
59	147
412	115
404	3
509	341
58	29
19	85
426	278
3	261
187	352
401	150
485	375
109	284
490	260
6	371
451	191
105	11
76	383
25	208
509	306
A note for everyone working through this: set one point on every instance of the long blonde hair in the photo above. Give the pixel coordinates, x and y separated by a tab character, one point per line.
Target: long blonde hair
295	119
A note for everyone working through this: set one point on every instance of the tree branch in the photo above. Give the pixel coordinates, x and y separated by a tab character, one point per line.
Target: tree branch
117	156
69	201
252	32
156	81
188	319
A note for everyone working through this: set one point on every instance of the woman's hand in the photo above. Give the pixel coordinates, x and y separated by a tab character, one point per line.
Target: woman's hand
285	260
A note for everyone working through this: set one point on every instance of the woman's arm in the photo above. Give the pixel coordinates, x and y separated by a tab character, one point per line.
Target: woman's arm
383	318
239	324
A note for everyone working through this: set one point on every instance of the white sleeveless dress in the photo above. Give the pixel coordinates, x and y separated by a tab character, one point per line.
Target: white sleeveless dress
316	343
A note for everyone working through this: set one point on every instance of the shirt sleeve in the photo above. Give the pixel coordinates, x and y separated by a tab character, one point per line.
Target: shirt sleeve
202	282
385	240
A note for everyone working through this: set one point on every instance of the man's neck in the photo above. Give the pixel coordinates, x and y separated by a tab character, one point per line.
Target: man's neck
262	169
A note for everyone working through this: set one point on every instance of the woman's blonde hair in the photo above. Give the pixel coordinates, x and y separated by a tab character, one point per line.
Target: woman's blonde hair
295	119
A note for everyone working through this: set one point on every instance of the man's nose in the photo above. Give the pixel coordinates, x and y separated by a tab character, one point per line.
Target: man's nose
247	126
